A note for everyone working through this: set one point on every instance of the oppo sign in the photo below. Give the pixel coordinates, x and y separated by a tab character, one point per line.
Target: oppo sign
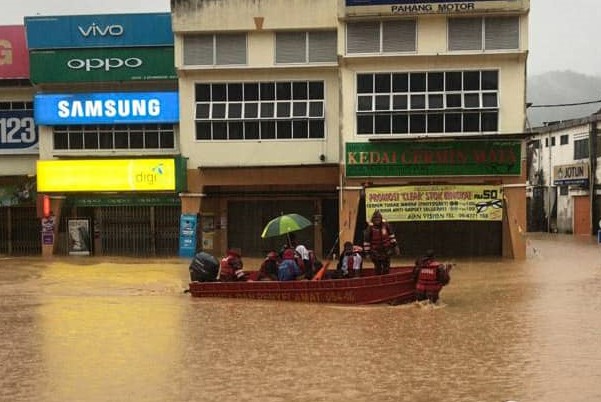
106	64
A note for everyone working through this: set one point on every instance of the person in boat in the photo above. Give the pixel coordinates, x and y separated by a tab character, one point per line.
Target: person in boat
231	267
303	256
429	276
269	267
350	262
288	269
380	243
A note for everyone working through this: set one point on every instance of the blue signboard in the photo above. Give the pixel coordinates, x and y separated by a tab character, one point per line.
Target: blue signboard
187	235
106	108
109	30
18	133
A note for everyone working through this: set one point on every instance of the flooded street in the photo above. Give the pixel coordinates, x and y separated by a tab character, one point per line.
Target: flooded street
85	329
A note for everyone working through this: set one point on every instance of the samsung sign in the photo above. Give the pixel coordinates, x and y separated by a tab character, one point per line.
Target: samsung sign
106	108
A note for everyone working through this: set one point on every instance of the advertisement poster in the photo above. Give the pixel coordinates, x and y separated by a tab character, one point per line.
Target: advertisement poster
48	230
207	240
187	235
79	237
436	203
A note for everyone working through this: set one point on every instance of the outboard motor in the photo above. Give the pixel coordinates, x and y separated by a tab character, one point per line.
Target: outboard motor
204	268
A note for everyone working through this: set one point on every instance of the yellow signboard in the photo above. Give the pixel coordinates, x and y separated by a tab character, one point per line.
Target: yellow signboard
106	175
436	203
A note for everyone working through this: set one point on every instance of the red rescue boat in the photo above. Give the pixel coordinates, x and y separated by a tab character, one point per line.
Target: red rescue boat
396	287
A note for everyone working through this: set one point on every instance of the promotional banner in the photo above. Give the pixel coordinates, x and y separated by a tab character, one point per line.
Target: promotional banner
187	235
106	108
102	65
79	237
14	58
48	225
110	30
448	158
436	203
18	133
106	175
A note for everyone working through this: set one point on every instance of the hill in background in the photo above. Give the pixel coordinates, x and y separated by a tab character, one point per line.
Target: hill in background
561	87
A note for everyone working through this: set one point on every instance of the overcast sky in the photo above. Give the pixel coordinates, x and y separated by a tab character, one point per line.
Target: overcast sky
564	34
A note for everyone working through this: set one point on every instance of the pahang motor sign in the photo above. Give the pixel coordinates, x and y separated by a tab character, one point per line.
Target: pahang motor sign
436	203
372	7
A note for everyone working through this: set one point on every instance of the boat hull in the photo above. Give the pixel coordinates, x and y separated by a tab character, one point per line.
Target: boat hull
397	287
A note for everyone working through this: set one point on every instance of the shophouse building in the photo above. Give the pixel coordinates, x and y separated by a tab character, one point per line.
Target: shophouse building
107	112
335	108
563	177
19	226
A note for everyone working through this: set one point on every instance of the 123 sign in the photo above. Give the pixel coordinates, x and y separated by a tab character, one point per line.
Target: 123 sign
18	133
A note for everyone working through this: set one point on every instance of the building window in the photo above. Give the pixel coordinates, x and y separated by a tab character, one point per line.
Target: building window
260	110
381	36
564	139
552	141
563	190
114	137
581	148
15	105
219	49
489	33
305	47
427	102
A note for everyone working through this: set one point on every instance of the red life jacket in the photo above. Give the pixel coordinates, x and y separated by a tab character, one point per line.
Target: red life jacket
427	279
230	269
380	238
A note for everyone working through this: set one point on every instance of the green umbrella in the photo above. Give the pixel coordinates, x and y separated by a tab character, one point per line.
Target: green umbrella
285	224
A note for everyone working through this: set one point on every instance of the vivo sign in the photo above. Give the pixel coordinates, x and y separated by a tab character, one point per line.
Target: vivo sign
109	30
106	108
97	30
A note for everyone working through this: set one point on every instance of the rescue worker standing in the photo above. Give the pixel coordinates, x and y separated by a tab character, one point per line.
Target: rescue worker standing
430	276
379	243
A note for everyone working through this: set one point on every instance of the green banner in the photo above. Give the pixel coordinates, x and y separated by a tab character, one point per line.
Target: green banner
449	158
124	200
102	64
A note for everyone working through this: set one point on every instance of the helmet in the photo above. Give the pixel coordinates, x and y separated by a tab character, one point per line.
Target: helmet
235	251
288	254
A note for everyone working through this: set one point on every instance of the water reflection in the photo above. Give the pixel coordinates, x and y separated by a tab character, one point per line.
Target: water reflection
121	330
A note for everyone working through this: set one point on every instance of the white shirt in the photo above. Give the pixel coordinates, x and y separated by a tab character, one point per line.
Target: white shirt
302	251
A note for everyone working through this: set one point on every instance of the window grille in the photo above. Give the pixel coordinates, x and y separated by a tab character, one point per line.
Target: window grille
260	110
381	37
490	33
218	49
114	137
305	47
427	102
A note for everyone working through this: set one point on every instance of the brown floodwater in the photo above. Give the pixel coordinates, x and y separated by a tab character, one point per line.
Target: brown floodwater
87	329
